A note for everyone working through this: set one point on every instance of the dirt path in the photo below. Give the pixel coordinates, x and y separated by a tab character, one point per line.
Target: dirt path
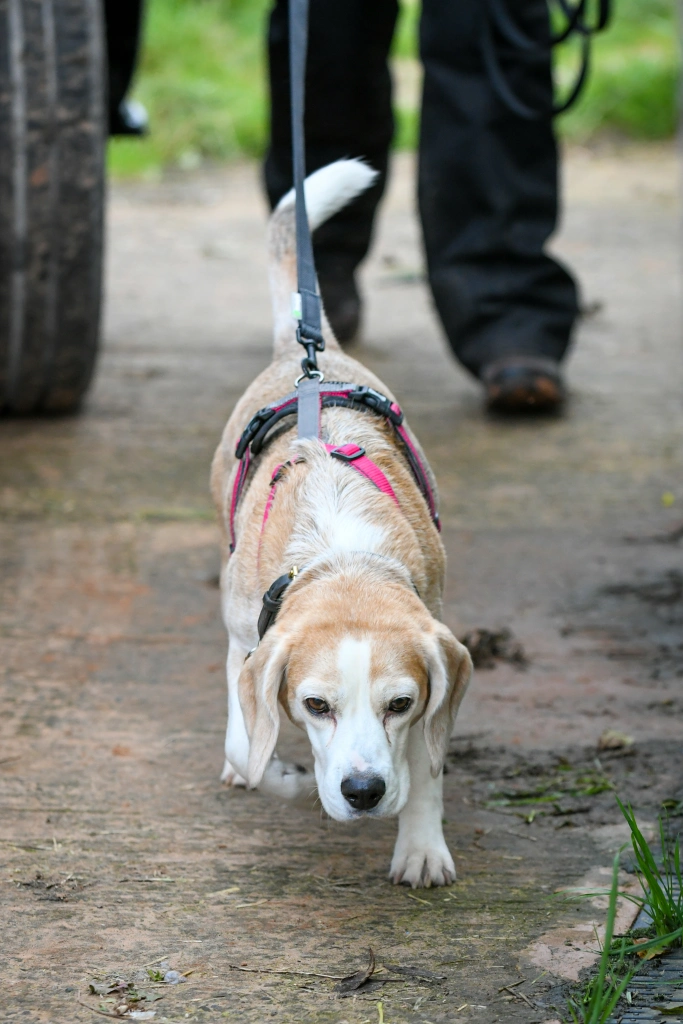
119	848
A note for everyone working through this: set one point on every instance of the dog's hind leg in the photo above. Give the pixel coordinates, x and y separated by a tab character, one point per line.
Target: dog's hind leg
236	738
421	857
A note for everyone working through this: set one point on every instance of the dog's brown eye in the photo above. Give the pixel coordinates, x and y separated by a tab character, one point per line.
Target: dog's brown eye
317	706
400	704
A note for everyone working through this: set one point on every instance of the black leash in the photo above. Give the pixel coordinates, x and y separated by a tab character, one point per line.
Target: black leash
309	331
500	25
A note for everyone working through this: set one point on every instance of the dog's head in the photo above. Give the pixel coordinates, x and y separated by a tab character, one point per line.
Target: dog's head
357	662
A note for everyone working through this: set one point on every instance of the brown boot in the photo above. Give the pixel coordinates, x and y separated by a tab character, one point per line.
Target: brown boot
523	385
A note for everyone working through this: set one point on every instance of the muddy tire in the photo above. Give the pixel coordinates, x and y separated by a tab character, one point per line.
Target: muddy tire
52	146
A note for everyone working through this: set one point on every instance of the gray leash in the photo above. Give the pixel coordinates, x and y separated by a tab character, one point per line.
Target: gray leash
309	332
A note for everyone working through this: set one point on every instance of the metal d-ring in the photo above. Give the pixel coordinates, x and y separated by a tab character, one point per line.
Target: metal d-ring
314	373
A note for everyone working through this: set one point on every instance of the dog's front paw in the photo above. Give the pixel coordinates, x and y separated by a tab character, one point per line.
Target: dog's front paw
421	865
230	776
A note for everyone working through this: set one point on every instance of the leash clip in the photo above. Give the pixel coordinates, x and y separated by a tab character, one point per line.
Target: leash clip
315	372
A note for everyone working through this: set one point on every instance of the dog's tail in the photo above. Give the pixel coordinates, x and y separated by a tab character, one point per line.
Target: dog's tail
327	191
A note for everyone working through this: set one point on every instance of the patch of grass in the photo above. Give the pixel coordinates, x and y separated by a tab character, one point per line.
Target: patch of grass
662	883
567	782
661	898
594	1005
202	79
633	83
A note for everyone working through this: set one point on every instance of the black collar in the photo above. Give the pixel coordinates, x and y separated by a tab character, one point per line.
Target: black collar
272	600
274	595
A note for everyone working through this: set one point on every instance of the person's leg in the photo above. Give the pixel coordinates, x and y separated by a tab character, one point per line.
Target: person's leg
348	114
488	192
123	20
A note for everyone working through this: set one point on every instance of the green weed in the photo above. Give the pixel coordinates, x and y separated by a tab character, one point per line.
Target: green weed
661	898
602	993
662	884
560	786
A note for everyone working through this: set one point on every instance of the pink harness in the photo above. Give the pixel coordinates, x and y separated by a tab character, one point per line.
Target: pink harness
349	395
351	453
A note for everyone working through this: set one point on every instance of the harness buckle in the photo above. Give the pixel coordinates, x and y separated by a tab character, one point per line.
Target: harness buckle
251	430
378	402
337	453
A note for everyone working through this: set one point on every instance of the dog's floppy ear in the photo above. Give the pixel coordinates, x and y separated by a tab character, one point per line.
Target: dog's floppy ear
259	685
450	667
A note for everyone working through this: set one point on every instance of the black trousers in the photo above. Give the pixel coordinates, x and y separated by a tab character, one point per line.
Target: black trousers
487	184
123	20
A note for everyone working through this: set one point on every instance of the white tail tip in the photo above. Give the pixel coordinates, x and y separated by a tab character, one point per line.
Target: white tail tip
331	188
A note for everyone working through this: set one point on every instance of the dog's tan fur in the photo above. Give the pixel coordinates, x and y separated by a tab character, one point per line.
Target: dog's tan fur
346	593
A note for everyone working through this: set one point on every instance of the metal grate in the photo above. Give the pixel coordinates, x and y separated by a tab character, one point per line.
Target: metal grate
655	992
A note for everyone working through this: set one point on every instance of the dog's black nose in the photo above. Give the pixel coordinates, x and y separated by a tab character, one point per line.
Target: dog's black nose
363	792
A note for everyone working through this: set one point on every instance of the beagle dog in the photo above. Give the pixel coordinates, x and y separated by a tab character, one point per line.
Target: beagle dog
331	583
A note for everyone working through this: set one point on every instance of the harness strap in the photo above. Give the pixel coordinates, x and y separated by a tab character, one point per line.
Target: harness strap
419	472
308	407
274	480
331	393
355	456
352	454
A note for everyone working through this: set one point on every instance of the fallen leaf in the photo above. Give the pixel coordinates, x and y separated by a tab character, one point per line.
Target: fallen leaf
653	951
612	739
354	981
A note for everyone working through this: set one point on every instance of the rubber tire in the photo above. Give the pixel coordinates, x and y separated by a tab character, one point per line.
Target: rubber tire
53	120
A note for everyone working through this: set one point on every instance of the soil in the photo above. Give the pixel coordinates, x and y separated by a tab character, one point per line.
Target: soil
120	851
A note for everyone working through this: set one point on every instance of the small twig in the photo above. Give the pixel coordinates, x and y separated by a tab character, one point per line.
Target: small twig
272	970
513	984
411	897
460	960
145	878
520	835
517	995
157	961
310	974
